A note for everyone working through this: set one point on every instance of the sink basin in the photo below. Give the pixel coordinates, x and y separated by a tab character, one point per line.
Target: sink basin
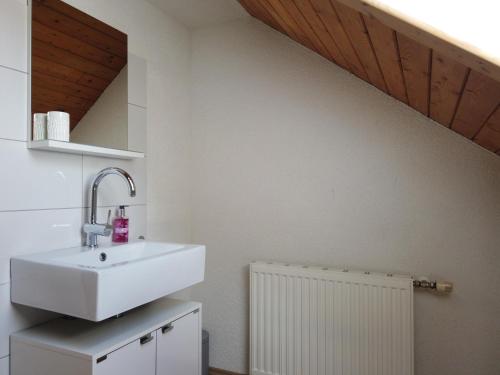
101	283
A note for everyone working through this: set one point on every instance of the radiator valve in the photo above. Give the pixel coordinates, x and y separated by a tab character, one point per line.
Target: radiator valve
441	287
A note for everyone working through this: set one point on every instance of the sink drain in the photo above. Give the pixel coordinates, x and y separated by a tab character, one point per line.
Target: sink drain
102	257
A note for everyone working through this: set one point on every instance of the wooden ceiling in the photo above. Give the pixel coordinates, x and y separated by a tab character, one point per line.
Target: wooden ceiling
74	58
420	74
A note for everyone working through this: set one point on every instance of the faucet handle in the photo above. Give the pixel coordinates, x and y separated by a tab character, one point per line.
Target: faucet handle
98	229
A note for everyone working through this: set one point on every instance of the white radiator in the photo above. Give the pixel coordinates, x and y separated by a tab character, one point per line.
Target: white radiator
320	321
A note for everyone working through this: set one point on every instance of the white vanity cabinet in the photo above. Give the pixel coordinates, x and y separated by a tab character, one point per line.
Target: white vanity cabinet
173	347
161	338
138	357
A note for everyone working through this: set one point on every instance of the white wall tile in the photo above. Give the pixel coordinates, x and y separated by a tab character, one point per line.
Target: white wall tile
13	34
13	94
16	317
137	221
137	128
137	80
25	232
38	179
113	190
4	366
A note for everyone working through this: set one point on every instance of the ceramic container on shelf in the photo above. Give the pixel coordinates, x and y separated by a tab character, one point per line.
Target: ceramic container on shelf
58	126
39	126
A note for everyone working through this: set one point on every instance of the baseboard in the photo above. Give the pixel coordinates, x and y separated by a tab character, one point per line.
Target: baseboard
218	371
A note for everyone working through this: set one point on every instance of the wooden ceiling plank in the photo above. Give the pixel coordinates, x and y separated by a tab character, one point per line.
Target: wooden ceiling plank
55	97
52	69
78	30
257	11
77	47
43	106
429	36
40	106
51	53
447	83
42	66
66	87
324	9
416	63
354	26
92	81
321	30
306	28
68	10
479	99
286	22
489	135
386	49
437	86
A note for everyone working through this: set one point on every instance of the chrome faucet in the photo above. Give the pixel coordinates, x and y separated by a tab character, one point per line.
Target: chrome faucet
93	229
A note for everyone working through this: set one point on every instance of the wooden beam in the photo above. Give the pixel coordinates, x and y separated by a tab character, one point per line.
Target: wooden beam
286	22
306	28
66	87
57	98
326	12
68	10
448	80
489	135
480	98
92	81
256	10
53	69
312	18
416	63
78	30
355	28
48	52
386	49
77	47
429	36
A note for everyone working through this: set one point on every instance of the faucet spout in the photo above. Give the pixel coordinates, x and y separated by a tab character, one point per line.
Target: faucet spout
93	229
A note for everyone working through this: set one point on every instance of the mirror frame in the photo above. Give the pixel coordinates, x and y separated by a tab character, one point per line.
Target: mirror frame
60	146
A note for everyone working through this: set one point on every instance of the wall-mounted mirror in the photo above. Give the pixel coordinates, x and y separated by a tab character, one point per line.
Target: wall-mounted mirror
79	78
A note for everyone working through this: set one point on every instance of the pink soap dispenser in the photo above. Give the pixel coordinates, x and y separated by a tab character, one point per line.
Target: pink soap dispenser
120	227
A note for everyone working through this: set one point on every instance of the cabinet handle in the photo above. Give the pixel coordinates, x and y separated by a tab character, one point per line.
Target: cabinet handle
146	339
167	328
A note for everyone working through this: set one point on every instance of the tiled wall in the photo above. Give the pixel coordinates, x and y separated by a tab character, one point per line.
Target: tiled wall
43	195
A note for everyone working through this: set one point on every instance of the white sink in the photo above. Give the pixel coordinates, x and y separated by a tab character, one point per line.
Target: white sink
101	283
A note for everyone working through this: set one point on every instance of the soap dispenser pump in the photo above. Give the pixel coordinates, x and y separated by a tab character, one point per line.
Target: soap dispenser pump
120	226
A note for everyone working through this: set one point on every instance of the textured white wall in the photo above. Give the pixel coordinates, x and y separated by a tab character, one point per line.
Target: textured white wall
296	160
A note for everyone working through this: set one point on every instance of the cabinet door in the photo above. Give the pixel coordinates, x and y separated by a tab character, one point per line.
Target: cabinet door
179	347
136	358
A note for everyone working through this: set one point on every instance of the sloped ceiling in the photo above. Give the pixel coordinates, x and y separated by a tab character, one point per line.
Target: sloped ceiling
74	58
435	76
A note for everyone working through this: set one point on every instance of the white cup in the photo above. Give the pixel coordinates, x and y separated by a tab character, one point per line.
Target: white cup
58	126
39	126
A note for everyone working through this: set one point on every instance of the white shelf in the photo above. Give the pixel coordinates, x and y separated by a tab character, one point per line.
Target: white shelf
76	148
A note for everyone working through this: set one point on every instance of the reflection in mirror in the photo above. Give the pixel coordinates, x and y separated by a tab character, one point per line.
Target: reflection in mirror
79	66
